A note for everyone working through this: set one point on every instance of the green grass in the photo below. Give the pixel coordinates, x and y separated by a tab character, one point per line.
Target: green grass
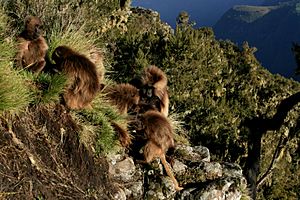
46	88
98	128
3	23
78	40
14	91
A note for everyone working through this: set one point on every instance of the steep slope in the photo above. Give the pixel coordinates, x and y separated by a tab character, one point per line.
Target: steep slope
271	29
50	152
42	158
218	90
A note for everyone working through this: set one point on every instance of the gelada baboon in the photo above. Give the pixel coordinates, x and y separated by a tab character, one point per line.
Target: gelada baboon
145	105
159	135
83	81
32	46
124	96
153	86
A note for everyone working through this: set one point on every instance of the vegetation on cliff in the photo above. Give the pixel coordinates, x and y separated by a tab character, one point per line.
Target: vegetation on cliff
215	88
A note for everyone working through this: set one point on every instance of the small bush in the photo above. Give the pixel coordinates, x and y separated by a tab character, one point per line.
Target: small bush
59	13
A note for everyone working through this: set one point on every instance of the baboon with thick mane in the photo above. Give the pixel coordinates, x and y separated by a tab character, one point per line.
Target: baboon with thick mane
83	81
153	85
159	136
124	96
32	46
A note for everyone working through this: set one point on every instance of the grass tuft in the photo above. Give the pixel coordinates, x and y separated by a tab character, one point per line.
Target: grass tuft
77	39
3	22
180	134
49	87
14	92
101	117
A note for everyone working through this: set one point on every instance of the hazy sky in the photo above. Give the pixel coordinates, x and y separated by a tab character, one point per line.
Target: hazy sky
203	12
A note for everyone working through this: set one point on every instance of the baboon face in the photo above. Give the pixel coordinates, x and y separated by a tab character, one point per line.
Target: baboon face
56	55
147	91
33	25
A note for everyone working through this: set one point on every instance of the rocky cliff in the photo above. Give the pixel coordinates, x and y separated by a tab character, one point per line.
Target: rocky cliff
43	157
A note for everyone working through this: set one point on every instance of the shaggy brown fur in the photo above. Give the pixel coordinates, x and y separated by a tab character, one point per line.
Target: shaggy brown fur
159	135
83	81
124	96
153	84
124	136
32	47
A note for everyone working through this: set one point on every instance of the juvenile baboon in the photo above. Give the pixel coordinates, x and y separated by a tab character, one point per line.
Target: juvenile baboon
159	135
124	96
153	84
32	46
83	81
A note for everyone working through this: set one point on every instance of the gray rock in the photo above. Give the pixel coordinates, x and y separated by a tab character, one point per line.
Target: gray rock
212	170
193	154
179	167
203	151
231	169
135	190
123	170
192	168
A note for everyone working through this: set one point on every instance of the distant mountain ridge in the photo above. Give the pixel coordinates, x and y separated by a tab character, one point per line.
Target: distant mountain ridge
271	29
203	12
251	13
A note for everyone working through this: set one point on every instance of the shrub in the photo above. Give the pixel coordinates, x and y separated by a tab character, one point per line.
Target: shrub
61	14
